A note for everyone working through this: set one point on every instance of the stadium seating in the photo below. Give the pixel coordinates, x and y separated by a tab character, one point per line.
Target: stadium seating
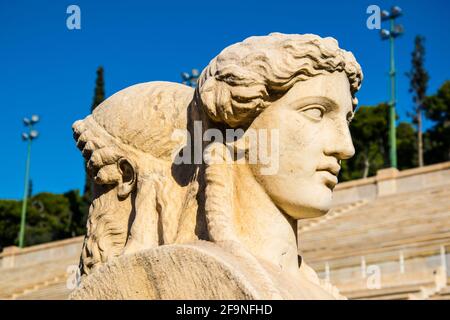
387	237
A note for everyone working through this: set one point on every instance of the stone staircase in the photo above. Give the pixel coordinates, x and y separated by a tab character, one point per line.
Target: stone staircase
39	272
55	289
395	221
411	226
309	224
443	294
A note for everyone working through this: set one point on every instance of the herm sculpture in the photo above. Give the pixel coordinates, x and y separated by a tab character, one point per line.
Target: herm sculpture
183	211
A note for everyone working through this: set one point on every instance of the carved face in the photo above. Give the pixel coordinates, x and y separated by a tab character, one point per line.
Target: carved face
312	119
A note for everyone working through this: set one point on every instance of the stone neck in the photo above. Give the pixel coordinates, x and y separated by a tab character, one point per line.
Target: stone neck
261	227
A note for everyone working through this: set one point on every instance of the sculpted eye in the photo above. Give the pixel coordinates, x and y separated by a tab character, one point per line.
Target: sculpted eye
315	112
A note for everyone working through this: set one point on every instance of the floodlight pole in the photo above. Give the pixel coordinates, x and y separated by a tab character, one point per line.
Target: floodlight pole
190	79
392	128
29	137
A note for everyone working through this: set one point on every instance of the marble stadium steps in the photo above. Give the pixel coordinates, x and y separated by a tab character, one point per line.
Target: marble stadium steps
26	280
402	292
56	290
444	294
415	223
386	223
418	286
308	224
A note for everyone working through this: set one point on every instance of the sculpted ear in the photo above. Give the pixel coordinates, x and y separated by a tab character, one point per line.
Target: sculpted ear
128	178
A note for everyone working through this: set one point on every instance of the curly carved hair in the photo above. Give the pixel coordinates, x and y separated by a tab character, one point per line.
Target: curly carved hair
246	77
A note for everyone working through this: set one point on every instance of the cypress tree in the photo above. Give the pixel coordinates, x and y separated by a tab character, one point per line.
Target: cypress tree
99	92
418	77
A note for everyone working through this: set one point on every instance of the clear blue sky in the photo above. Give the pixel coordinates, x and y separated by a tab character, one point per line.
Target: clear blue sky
49	70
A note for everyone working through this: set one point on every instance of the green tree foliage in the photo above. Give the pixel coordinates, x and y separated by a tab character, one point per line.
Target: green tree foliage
406	146
437	139
99	91
49	217
418	86
370	129
9	222
79	210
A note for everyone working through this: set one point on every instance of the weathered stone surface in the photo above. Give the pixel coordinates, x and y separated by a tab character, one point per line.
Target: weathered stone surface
256	147
200	270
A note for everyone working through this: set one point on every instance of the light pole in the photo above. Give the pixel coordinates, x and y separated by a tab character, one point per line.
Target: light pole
29	137
391	34
190	79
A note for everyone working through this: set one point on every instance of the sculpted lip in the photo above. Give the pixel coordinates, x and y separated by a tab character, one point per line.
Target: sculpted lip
329	172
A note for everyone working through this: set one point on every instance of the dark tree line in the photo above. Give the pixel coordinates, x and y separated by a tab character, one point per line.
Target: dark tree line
370	136
50	216
437	139
418	77
414	146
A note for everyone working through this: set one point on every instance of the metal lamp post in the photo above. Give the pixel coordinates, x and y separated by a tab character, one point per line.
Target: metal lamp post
190	79
29	137
391	34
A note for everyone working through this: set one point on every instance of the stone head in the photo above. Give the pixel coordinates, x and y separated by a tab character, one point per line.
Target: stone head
301	86
127	145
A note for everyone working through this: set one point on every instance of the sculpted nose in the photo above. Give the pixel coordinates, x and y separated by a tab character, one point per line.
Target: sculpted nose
341	144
